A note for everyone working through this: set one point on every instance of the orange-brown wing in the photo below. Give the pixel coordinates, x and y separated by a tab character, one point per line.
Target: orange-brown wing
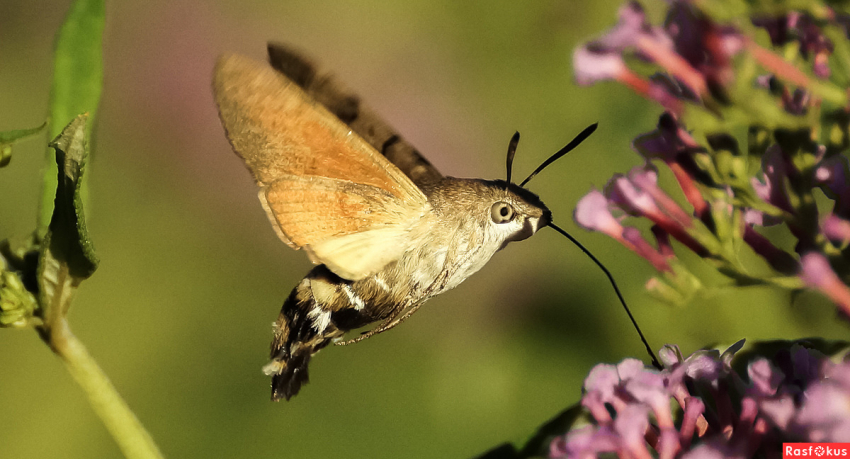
321	182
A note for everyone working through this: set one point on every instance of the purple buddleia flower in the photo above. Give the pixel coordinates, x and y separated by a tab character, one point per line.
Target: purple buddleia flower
817	273
638	194
672	144
640	246
765	378
698	53
825	414
602	59
836	229
833	176
755	217
600	385
630	426
597	64
809	397
776	169
634	200
593	213
584	443
707	47
786	112
631	28
798	395
593	64
796	26
713	450
646	177
666	142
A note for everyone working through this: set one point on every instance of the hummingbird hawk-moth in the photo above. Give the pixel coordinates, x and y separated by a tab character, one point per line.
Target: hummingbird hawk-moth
386	229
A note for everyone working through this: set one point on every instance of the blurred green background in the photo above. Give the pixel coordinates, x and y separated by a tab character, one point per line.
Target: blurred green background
179	313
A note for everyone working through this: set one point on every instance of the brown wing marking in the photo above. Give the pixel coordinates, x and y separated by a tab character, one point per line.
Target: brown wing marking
342	102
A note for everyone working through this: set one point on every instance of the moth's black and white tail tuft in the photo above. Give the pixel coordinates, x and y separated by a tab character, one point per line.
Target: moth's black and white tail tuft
296	339
292	376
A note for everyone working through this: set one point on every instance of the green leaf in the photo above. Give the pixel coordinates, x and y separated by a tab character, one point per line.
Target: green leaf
67	255
67	258
77	82
9	138
730	352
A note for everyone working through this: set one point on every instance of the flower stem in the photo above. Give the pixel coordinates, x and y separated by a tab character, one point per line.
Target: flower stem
132	438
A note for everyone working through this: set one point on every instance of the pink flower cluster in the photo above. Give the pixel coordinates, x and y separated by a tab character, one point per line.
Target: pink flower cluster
700	407
699	80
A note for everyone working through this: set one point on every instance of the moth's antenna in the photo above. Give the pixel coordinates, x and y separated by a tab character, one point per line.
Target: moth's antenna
655	361
509	162
563	151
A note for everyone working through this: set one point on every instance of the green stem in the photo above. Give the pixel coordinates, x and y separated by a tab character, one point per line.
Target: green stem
132	438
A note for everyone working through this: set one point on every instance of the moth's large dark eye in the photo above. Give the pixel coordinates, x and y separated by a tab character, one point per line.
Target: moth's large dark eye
502	212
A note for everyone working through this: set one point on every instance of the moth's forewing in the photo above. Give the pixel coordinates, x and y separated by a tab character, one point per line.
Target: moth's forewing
324	187
279	130
339	100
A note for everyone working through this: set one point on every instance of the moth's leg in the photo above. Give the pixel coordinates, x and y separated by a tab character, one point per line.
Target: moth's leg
399	316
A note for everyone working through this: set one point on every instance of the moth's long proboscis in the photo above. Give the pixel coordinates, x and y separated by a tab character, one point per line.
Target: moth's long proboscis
578	244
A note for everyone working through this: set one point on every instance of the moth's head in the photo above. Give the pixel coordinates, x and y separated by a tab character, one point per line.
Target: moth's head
489	213
515	213
492	213
534	214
